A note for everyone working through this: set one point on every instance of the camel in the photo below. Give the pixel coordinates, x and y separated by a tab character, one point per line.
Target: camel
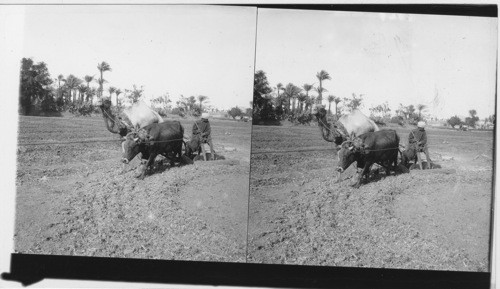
113	124
137	116
348	126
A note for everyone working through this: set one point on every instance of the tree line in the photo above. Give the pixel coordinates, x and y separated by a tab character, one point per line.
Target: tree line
271	105
274	104
471	120
41	94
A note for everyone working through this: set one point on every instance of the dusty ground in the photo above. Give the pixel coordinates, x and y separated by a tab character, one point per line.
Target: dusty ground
420	220
78	199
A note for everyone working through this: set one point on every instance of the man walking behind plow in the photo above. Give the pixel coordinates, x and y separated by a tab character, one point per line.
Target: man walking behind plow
418	138
202	131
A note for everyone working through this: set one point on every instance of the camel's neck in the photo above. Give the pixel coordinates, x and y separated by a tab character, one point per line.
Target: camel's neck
109	121
326	129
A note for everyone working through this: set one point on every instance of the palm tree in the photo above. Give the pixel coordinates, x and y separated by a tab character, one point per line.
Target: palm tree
302	99
307	88
118	92
91	92
331	98
322	75
111	90
88	79
103	66
320	91
309	103
82	89
420	108
291	92
72	82
279	87
336	100
294	101
201	99
101	82
60	78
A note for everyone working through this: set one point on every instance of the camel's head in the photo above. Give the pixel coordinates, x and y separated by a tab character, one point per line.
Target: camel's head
319	110
104	103
114	124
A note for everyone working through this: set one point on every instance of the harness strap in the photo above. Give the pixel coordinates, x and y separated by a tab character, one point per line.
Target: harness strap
113	119
341	128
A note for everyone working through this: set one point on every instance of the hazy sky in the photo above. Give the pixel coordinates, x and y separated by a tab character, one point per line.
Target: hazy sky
398	58
207	50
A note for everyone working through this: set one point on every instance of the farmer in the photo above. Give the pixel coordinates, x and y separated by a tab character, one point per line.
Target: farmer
201	130
418	138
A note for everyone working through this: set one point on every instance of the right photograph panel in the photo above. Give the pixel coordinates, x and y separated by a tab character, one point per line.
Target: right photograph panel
372	140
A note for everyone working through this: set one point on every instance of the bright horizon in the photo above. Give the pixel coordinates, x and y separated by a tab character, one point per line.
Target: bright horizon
398	58
179	50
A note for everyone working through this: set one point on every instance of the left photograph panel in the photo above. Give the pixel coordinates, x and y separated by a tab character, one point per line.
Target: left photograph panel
134	131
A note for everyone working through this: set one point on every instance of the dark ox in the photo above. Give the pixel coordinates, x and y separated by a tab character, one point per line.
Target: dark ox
379	147
155	139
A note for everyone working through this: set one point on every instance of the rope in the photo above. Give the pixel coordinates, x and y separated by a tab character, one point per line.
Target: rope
290	151
87	141
109	116
309	150
165	141
325	125
379	150
82	141
69	142
343	131
113	119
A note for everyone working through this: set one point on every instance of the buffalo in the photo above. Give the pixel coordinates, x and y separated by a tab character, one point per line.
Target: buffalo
379	147
164	138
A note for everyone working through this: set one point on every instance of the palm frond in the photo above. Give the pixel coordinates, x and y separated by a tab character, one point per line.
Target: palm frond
323	75
89	78
101	81
307	87
320	89
103	66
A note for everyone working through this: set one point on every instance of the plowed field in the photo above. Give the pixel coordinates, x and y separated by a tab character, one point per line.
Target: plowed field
79	199
435	219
